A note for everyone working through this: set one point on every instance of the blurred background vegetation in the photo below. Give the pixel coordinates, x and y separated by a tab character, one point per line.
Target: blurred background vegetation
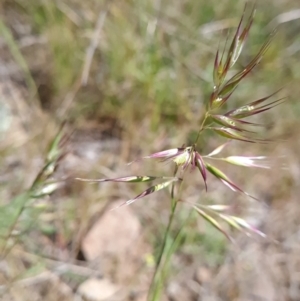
132	78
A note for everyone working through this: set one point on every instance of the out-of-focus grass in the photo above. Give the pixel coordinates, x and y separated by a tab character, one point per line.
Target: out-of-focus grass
151	74
13	47
153	59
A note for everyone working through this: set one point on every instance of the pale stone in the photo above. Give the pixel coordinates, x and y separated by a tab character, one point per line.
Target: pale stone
114	233
97	289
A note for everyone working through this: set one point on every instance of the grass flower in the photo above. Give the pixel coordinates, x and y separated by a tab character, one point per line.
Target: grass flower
231	125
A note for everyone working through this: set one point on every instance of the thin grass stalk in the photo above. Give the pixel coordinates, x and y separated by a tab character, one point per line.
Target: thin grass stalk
172	249
156	283
169	251
201	127
169	247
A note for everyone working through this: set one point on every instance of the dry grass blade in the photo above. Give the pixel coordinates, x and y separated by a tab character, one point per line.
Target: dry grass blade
213	222
234	81
225	180
232	134
235	134
248	161
217	150
231	123
166	154
240	224
253	107
201	166
130	179
148	191
242	37
222	94
221	68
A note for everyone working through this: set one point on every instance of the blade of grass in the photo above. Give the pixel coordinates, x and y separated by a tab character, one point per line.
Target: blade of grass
17	55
